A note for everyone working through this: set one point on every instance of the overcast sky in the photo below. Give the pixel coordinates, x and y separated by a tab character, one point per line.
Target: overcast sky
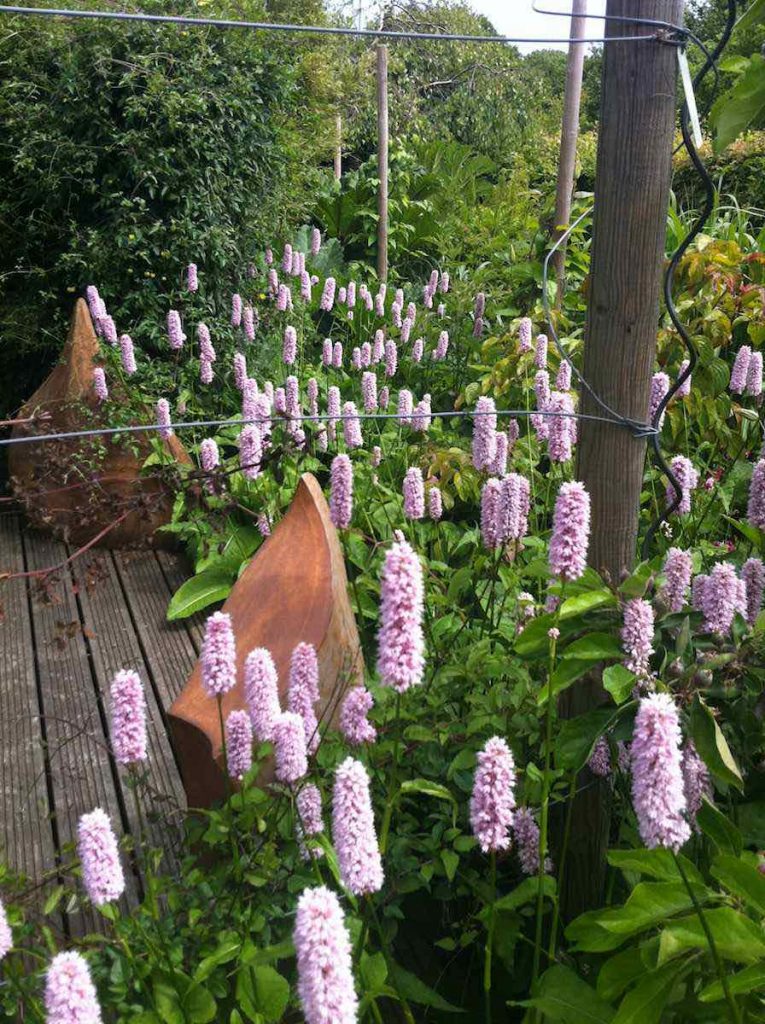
516	18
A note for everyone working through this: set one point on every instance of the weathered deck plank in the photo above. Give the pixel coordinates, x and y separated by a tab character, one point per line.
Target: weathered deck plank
114	644
81	772
27	840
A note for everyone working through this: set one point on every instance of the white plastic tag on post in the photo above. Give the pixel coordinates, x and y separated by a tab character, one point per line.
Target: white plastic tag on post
690	96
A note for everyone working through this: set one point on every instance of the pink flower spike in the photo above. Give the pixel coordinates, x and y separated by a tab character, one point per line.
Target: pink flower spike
291	755
238	744
99	384
571	532
435	504
678	568
164	419
127	354
484	433
309	821
753	575
218	656
303	691
696	783
97	849
353	830
6	935
493	798
524	335
400	658
414	494
354	724
261	692
70	995
740	372
192	280
756	508
637	636
129	739
324	960
341	492
352	426
657	779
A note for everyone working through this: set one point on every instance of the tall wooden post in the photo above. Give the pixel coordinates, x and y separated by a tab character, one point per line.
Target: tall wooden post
631	199
568	137
338	161
382	161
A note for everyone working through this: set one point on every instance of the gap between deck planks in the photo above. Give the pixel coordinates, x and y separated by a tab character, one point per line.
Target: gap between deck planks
60	645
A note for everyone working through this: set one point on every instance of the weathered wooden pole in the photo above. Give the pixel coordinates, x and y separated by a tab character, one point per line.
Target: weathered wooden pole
338	158
568	138
632	184
382	161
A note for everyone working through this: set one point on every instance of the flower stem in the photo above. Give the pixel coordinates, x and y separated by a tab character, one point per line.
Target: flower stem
393	787
562	866
735	1015
490	938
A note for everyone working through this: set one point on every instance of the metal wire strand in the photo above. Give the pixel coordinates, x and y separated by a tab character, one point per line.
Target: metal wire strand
332	30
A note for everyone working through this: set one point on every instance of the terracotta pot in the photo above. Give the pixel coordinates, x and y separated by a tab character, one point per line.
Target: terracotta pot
74	489
294	590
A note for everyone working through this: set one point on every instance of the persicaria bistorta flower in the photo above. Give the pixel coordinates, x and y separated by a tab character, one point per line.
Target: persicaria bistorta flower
341	492
324	962
563	379
657	779
99	383
369	390
238	744
309	823
414	494
540	352
659	389
236	310
209	456
484	433
688	479
637	636
404	405
753	575
290	752
400	658
354	724
678	568
754	375
175	335
352	426
560	436
600	758
97	849
353	830
571	532
127	354
513	509
303	691
391	357
435	504
6	936
722	595
493	799
696	783
328	295
524	335
129	740
163	418
442	347
490	513
70	995
685	388
756	507
526	835
315	241
192	280
289	347
261	691
218	655
108	329
740	372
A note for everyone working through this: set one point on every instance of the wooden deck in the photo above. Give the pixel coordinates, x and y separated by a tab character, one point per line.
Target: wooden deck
62	638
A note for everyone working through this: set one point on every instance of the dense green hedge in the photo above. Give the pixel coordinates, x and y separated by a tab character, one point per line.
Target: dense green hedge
127	151
738	171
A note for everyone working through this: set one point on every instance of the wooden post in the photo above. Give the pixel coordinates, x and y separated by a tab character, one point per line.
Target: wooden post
568	138
382	161
338	146
631	200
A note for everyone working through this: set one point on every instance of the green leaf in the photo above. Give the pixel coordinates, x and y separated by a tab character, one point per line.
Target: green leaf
742	879
594	647
588	936
719	829
751	533
736	936
562	996
741	105
526	892
658	863
416	991
241	541
646	1002
635	585
619	682
577	736
225	952
199	1005
586	602
262	993
618	972
649	904
751	979
167	1001
712	746
54	898
752	16
429	788
451	862
200	591
751	821
565	675
373	973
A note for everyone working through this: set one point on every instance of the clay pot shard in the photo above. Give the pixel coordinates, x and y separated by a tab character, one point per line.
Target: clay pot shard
294	590
76	488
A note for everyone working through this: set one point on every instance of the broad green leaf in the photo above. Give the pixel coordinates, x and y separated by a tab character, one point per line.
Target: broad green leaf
649	904
635	585
658	863
526	892
262	993
752	16
54	898
712	746
644	1003
618	973
241	541
451	862
736	936
565	675
199	1005
586	602
588	936
619	682
373	972
748	532
416	991
201	590
577	736
225	952
594	647
751	979
742	879
751	821
167	1001
719	829
741	105
562	996
428	788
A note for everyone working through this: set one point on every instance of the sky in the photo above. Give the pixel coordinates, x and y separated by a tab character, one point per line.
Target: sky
517	18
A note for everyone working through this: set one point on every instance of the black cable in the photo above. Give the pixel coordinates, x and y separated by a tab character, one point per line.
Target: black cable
669	278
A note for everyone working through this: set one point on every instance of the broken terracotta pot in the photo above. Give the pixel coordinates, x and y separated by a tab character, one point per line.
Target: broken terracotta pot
294	590
75	489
